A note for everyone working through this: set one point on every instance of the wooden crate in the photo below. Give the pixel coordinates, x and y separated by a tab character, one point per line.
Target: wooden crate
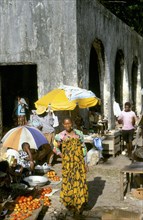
112	143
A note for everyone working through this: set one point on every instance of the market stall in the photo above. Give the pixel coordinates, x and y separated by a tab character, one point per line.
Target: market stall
111	141
26	201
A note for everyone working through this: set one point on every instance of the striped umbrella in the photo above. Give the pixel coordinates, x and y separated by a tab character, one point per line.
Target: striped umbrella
16	136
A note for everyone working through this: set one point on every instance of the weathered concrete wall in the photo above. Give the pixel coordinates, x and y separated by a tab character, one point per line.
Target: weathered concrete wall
96	22
42	32
57	35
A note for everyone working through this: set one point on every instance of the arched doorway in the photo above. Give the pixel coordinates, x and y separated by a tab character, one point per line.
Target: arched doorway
134	76
119	74
96	70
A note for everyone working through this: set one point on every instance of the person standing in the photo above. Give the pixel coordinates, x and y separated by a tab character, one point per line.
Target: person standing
127	118
74	192
35	120
47	122
19	112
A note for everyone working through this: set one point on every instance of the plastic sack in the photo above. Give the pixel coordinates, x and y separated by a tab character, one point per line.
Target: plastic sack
45	166
93	157
139	152
56	121
98	143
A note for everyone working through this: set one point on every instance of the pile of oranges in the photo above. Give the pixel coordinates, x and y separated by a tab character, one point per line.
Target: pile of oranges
55	178
47	201
52	176
51	173
24	207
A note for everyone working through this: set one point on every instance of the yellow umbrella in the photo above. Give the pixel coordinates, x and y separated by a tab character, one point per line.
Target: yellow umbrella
66	98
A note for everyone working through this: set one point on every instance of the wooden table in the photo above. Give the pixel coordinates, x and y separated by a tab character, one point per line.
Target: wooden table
127	174
90	141
112	143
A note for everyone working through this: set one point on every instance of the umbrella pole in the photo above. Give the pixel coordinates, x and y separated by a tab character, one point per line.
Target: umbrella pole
70	114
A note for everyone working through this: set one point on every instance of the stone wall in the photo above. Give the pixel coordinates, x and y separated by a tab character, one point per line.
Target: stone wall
96	23
57	36
42	32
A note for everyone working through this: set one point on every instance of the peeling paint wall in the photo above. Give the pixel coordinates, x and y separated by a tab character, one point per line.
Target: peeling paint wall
42	32
57	35
96	22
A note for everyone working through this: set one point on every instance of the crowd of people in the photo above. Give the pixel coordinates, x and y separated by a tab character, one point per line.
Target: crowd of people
69	145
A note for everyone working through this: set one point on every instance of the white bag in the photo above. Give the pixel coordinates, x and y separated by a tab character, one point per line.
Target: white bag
92	157
56	121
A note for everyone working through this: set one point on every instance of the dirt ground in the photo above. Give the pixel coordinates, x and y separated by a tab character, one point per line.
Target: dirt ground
104	195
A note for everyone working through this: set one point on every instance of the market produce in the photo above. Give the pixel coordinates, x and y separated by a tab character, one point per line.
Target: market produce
46	200
46	191
24	207
55	178
51	173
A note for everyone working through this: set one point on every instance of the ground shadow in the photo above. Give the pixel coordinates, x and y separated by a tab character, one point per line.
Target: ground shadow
95	189
42	213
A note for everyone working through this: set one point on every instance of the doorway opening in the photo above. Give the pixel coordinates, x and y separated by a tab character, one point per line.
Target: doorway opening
94	83
96	71
17	80
134	82
119	70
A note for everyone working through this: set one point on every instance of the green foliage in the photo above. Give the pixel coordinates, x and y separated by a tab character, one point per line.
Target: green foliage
129	11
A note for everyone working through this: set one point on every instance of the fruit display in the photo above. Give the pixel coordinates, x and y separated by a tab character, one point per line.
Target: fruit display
24	207
46	191
51	173
45	199
53	176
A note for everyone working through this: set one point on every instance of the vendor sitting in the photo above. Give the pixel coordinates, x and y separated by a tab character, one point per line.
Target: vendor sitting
25	156
29	157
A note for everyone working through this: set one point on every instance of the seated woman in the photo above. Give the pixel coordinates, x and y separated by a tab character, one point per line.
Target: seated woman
25	156
29	157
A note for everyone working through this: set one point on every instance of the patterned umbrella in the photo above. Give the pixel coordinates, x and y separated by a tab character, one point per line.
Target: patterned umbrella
66	98
16	136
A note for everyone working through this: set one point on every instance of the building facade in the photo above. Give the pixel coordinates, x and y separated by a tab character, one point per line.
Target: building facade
46	43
